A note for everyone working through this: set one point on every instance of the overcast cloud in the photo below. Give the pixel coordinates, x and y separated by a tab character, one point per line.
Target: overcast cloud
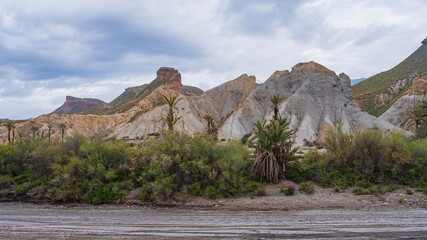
97	48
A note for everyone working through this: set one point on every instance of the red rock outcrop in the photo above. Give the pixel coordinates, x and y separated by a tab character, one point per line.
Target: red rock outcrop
74	105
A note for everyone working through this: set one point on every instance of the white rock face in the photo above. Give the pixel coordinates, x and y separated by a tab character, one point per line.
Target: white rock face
315	97
219	102
399	112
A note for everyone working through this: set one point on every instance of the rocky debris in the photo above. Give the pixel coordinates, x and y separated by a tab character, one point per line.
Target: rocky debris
424	41
399	112
74	105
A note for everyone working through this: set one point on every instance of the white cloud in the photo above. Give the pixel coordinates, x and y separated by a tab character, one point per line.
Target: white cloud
98	48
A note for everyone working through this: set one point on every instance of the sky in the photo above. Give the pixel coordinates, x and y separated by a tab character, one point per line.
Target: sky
97	48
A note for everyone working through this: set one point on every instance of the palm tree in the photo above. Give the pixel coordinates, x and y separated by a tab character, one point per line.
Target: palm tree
273	146
171	118
276	99
34	129
62	126
417	116
9	125
212	128
50	129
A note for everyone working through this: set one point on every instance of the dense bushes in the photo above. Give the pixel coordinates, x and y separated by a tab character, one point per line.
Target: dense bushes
103	170
177	161
367	157
98	170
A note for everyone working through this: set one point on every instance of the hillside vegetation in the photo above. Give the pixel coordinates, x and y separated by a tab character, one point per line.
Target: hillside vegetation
176	166
415	63
127	95
127	104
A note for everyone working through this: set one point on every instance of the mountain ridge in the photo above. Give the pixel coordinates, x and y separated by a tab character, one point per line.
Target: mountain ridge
377	93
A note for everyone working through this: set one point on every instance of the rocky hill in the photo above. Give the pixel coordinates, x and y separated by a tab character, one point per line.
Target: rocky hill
399	112
315	99
74	105
377	93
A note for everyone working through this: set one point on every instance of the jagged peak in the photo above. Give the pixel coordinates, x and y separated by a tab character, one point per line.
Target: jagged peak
278	74
245	77
165	73
310	66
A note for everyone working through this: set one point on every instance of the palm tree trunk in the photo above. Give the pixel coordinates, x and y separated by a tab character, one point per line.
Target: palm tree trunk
62	135
8	134
416	128
13	135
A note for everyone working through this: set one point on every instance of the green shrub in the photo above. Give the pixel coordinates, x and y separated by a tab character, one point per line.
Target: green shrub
287	191
337	189
261	191
164	187
22	189
357	191
146	195
409	191
213	192
251	186
195	189
307	187
99	194
391	188
401	200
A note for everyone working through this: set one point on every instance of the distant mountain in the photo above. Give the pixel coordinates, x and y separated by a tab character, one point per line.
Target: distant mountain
354	81
377	93
74	105
133	96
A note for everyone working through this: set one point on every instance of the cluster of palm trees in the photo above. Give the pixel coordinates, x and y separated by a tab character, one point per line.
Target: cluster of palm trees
273	146
10	125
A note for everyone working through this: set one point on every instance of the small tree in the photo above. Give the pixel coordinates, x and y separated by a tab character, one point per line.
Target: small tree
50	129
212	128
417	116
62	126
171	118
9	125
276	99
34	129
273	147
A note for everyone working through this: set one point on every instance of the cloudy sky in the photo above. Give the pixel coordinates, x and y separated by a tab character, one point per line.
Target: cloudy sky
97	48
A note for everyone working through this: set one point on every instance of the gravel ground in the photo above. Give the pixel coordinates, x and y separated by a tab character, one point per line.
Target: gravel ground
45	221
323	198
